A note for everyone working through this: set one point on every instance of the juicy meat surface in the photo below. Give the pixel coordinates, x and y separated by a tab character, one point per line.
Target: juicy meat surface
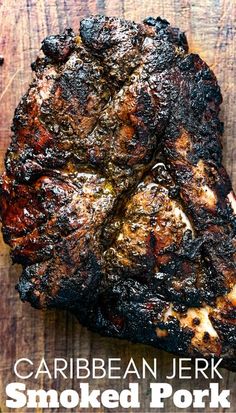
114	199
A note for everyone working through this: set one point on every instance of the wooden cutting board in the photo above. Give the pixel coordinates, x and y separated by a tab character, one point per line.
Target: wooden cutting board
24	332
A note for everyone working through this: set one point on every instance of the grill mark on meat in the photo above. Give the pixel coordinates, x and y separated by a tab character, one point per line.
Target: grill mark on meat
115	200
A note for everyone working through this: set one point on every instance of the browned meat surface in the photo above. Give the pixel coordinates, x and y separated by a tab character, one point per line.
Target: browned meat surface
114	199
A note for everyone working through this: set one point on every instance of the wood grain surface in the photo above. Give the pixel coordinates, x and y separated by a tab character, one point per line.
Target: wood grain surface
24	332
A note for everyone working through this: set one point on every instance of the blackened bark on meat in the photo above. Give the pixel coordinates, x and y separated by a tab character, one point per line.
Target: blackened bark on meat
115	200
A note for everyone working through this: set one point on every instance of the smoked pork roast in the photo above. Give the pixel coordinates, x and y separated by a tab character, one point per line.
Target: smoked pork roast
114	199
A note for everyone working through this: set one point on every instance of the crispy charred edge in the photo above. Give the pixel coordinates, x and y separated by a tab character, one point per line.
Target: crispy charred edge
130	310
165	31
57	48
38	289
127	310
195	120
100	32
227	334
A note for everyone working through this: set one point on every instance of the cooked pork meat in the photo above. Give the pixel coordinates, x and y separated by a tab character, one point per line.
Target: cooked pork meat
114	199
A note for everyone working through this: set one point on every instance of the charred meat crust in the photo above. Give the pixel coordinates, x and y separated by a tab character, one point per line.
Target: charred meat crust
114	198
